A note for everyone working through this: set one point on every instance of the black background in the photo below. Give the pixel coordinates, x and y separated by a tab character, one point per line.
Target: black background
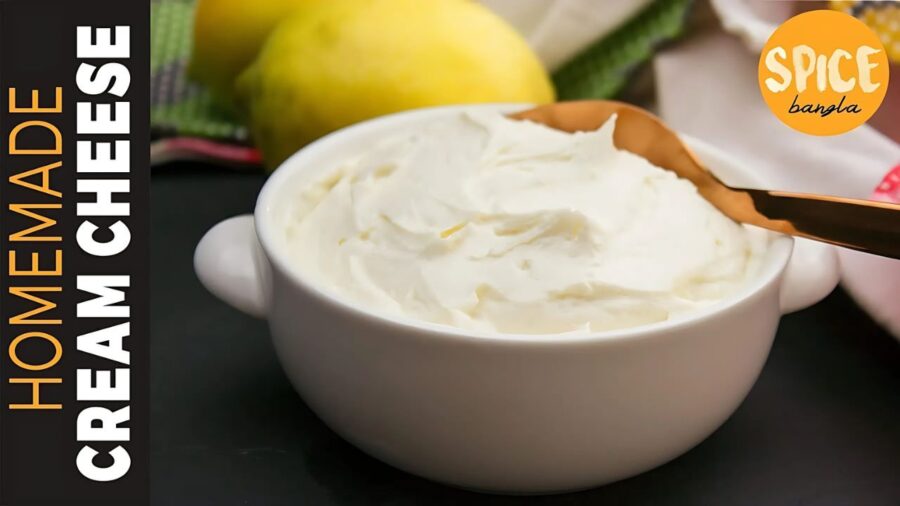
821	426
38	448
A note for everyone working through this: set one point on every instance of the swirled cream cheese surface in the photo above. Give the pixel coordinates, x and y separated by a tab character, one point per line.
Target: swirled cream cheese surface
481	222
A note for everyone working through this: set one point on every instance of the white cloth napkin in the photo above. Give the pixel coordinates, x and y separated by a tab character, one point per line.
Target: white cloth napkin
557	30
708	88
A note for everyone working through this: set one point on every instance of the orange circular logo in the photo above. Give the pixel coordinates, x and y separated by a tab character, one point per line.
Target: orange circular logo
823	72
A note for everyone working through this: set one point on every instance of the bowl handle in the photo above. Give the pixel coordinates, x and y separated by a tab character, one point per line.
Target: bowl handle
812	273
226	262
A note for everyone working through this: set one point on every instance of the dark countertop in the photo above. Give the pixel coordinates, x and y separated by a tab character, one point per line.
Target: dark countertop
821	426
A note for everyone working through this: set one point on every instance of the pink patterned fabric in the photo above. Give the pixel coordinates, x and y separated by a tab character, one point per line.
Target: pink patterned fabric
889	189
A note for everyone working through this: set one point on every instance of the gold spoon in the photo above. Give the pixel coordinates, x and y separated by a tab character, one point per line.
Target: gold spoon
864	225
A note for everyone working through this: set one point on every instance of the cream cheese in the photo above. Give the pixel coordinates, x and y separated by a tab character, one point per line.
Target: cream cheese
485	223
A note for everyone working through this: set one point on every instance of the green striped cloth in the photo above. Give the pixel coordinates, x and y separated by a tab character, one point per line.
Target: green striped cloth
182	108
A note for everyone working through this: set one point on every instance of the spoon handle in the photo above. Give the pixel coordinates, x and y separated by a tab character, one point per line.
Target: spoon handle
864	225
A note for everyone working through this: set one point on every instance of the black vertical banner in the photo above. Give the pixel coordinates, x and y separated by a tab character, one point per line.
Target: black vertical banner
74	253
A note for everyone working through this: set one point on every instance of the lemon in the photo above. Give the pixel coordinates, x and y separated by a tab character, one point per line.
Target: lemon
228	35
331	64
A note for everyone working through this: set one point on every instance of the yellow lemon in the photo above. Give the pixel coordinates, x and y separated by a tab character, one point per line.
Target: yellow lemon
228	35
331	64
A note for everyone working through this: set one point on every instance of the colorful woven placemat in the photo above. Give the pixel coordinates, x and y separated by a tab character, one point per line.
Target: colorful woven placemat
186	123
178	105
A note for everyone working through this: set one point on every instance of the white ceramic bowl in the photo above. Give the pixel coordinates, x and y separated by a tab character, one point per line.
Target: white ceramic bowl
503	413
